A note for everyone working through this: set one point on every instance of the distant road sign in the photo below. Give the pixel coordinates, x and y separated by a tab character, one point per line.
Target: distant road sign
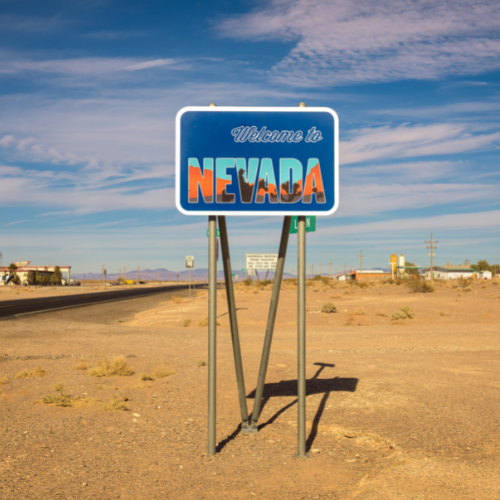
310	224
218	234
243	270
189	261
257	161
261	260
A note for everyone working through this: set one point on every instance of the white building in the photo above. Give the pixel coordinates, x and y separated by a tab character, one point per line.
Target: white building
24	268
449	271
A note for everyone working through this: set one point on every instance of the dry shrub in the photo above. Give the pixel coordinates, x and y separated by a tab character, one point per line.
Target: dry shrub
176	300
116	404
336	296
362	284
107	368
444	313
352	320
464	283
162	372
360	312
420	285
145	377
62	398
82	365
467	289
38	371
187	322
202	363
328	308
3	380
204	322
404	313
382	313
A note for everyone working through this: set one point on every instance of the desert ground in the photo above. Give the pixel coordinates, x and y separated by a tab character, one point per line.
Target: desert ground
397	408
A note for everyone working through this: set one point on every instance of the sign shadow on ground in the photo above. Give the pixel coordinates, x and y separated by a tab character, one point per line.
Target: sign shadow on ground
287	388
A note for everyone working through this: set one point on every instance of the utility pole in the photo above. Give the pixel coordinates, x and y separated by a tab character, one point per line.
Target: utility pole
432	247
125	274
103	275
119	274
360	261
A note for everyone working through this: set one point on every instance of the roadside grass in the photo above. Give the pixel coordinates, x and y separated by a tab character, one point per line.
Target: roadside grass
187	322
38	371
403	313
360	312
202	363
420	286
146	376
107	368
382	313
3	380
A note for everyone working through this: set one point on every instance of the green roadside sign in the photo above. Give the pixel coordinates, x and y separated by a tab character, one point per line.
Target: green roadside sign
310	224
218	234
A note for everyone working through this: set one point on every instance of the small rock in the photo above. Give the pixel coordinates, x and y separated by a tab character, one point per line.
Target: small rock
315	450
84	484
136	414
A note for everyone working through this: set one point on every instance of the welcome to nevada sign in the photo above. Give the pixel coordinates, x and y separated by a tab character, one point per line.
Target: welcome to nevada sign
249	161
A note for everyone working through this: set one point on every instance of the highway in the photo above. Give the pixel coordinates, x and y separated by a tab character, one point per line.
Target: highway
45	304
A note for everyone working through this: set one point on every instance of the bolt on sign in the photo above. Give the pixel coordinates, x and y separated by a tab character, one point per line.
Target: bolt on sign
189	261
261	260
257	161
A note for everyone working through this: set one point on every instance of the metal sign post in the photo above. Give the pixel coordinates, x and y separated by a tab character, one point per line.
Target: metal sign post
189	265
212	331
265	161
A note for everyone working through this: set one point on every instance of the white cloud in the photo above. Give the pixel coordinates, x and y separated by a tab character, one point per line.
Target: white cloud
7	140
150	64
15	223
406	141
24	143
343	42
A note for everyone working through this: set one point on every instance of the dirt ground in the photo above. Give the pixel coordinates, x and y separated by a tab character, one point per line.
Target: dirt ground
396	408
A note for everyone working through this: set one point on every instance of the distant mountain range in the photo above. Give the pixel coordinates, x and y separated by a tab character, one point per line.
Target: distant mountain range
196	275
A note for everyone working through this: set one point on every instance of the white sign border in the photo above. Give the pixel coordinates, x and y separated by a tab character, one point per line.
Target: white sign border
222	109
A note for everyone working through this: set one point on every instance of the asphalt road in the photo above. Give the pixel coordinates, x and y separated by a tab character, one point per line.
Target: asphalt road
43	304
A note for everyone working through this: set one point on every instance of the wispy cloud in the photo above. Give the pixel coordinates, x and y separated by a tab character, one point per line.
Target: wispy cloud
151	64
406	141
14	223
342	42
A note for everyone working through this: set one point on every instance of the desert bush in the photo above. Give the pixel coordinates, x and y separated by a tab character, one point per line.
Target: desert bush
162	371
116	404
399	315
467	289
381	313
410	313
107	368
38	371
247	281
187	322
202	363
420	285
82	365
404	313
145	377
464	282
3	380
362	284
329	307
61	398
444	313
359	312
176	300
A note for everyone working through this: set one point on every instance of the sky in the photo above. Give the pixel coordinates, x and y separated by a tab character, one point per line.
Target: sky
89	91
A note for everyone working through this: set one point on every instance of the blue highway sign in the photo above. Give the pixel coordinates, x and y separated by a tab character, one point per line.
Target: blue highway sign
257	161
